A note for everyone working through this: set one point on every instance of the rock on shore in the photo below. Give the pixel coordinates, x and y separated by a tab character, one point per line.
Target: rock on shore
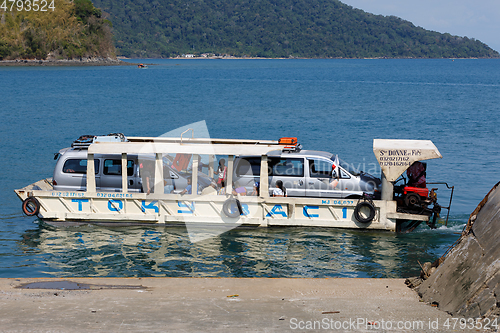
467	283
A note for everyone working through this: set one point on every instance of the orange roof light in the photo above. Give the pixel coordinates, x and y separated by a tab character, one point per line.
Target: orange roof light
287	141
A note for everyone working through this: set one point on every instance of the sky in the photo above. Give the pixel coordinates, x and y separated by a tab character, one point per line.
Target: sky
478	19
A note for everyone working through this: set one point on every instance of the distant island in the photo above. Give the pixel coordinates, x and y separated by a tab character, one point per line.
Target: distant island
55	30
274	29
72	31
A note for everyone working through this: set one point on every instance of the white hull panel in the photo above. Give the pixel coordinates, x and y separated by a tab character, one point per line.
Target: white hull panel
174	209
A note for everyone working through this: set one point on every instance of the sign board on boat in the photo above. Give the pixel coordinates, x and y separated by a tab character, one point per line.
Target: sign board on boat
395	156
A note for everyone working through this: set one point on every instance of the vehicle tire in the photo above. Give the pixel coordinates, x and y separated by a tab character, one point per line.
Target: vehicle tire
412	200
232	208
361	216
31	206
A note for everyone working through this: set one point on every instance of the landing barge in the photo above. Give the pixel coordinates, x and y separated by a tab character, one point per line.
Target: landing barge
118	180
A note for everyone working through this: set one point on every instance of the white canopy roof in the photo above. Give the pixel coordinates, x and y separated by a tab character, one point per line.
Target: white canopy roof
395	156
184	148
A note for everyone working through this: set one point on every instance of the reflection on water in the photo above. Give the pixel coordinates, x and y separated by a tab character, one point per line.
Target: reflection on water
274	252
263	99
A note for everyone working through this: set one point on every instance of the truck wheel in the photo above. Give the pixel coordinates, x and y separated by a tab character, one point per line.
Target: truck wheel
360	213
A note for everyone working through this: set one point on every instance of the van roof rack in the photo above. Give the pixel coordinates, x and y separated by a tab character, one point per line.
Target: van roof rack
84	141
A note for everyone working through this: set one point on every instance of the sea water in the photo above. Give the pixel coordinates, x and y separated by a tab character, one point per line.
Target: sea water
338	106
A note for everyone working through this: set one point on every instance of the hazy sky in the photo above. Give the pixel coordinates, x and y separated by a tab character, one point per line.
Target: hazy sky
479	19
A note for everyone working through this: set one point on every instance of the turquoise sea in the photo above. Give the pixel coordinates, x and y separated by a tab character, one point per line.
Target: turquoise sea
338	106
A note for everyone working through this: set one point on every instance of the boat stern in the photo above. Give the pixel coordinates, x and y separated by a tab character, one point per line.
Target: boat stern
28	195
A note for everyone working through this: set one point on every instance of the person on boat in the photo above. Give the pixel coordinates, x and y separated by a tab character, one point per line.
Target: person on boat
147	170
255	191
188	188
201	165
221	173
416	175
240	190
279	190
168	188
210	189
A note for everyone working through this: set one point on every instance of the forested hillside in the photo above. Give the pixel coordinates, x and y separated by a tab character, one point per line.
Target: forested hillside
59	29
274	28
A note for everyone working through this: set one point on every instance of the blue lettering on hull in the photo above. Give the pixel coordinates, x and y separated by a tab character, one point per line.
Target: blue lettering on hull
245	209
307	213
151	205
80	208
189	210
115	205
277	210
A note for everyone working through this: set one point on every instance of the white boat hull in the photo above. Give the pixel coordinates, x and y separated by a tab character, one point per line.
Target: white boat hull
115	208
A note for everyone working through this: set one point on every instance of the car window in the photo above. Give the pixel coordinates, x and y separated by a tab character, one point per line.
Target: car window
248	166
114	167
349	167
168	173
78	166
320	168
344	174
291	167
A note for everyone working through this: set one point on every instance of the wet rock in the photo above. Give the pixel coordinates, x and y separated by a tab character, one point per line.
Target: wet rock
467	283
425	269
413	282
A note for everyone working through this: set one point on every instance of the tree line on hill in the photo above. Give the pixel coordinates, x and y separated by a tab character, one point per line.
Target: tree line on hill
274	28
60	29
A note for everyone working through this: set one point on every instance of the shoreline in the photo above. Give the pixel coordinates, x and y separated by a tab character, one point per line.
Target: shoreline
119	61
294	58
66	62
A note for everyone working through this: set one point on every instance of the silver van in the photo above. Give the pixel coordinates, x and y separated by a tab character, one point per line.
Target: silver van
70	172
307	173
